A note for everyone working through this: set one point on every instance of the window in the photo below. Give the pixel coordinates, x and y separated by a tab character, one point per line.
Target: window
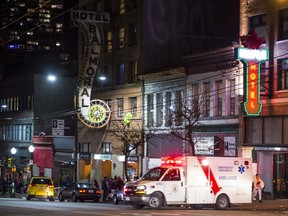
263	79
232	96
132	72
121	6
85	147
133	106
283	74
179	107
206	99
132	4
120	103
219	95
120	74
195	99
159	109
106	147
132	34
121	35
109	41
283	24
168	107
150	110
258	24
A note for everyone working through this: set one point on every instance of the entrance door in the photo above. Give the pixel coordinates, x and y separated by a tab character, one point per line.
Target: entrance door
280	176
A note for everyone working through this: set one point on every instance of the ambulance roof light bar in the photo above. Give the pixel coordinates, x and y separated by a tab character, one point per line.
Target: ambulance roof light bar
171	162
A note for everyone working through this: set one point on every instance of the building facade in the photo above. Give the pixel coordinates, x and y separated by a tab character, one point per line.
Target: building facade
266	133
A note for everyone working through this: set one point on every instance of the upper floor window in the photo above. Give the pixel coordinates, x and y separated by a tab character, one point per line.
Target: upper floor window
159	109
121	35
232	96
132	4
132	76
106	147
133	106
195	98
283	24
150	110
109	41
219	97
206	99
258	24
120	74
179	100
121	6
132	34
168	109
120	103
283	74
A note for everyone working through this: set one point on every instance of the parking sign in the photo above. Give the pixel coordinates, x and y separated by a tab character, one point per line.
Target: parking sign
58	127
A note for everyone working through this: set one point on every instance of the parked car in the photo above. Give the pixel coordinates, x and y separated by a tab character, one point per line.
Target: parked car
80	191
116	196
40	187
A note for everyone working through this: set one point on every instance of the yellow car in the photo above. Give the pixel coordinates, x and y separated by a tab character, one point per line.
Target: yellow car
40	187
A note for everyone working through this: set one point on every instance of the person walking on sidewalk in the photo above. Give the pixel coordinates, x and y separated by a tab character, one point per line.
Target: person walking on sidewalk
258	185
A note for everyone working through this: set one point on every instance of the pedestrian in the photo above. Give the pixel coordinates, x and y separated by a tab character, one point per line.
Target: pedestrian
105	187
96	184
258	186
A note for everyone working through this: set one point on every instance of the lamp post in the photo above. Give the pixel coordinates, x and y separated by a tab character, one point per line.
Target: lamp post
53	78
30	165
13	152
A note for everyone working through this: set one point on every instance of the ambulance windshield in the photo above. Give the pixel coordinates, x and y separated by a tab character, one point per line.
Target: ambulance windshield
154	174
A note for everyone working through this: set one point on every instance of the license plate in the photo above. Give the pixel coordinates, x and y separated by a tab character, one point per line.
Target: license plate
127	198
90	191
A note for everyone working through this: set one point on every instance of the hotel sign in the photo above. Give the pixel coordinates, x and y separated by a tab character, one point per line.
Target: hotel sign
95	113
252	58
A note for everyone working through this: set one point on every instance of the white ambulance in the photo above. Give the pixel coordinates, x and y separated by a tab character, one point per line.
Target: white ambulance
194	181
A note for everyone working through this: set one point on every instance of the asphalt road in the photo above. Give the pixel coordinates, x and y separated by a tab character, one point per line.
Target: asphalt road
17	206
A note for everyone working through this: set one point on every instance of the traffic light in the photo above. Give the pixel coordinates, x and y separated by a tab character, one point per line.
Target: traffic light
127	118
9	162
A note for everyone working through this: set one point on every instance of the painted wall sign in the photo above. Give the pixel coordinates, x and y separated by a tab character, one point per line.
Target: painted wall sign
252	59
96	113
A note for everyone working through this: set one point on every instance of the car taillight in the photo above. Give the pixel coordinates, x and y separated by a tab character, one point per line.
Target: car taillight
98	192
82	191
32	185
50	185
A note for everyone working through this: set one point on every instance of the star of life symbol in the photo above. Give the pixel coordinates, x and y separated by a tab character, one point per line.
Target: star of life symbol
241	169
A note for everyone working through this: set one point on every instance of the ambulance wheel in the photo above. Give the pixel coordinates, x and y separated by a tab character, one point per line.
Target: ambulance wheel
155	201
222	202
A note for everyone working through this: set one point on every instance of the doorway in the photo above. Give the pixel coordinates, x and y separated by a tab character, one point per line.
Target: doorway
280	176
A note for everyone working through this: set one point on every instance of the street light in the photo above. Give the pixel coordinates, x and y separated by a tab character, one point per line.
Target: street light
53	78
31	150
13	152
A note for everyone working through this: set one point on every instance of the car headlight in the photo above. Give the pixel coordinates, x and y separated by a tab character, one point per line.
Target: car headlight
141	189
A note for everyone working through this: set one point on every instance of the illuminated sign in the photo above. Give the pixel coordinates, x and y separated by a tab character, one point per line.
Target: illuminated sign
252	59
96	113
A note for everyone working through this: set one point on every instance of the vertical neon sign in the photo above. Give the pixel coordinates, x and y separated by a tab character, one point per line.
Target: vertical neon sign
252	59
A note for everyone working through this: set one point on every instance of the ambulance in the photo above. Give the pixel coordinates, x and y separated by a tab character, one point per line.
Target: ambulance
193	181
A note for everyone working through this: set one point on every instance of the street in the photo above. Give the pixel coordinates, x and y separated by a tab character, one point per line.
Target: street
14	206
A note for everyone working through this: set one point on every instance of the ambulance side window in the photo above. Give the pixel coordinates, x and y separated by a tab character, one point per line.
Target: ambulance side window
172	175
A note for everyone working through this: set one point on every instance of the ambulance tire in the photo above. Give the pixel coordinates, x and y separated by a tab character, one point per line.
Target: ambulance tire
155	201
222	202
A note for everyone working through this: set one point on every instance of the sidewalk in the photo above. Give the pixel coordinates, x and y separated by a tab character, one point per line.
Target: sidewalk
278	205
